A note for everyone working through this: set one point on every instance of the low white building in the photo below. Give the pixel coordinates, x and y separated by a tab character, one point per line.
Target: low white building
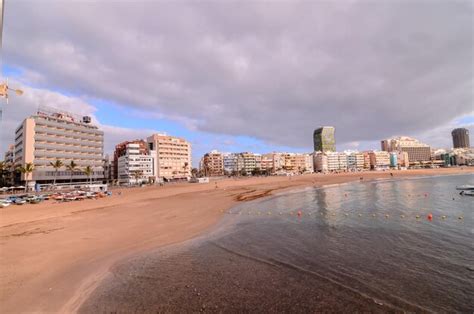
135	168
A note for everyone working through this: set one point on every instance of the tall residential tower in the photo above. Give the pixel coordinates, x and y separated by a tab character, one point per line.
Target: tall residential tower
460	138
324	140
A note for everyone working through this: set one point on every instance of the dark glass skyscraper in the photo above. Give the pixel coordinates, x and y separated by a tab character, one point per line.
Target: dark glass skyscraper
324	140
460	138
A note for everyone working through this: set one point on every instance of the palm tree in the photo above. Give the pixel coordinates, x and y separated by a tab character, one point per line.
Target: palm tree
26	170
56	165
89	172
185	167
72	167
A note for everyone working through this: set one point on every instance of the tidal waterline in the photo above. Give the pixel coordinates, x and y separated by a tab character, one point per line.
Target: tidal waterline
361	246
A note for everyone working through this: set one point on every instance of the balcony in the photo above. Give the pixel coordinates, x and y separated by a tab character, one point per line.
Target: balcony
80	163
39	137
71	149
46	130
69	126
66	155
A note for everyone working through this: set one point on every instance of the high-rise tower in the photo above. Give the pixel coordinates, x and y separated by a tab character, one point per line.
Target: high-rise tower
460	138
324	140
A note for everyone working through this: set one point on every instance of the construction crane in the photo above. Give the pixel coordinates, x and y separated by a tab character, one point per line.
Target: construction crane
4	88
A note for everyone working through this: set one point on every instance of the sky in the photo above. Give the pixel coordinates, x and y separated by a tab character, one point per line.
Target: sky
237	76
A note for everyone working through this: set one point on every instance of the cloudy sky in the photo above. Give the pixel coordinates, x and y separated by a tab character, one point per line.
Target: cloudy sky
245	76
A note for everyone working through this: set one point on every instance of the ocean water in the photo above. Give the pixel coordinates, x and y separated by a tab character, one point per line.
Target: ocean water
358	247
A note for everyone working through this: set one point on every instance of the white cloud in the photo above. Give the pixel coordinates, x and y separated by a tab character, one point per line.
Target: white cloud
20	107
270	70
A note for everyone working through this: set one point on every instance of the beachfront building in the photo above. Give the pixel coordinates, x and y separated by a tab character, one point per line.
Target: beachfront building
320	161
9	171
266	163
135	166
248	162
463	156
230	163
460	138
172	157
355	161
277	161
52	134
324	139
121	150
213	164
418	153
379	160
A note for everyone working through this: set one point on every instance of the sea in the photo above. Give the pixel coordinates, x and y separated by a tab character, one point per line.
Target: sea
387	246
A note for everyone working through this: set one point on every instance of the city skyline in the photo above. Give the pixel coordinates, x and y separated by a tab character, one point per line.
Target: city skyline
110	147
364	105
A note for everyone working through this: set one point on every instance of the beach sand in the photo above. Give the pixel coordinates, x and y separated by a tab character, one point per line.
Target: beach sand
53	255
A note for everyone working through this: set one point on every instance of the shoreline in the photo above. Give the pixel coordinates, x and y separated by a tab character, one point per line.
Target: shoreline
132	226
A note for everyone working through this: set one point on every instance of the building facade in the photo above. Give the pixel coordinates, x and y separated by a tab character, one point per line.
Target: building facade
417	152
135	166
121	150
9	159
379	160
324	139
52	135
213	164
460	138
173	157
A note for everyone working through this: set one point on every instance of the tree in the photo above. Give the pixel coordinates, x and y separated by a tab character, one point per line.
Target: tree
56	165
194	172
185	167
89	172
256	171
243	172
26	170
72	167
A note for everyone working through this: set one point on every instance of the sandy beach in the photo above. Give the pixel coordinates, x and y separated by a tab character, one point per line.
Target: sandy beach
54	254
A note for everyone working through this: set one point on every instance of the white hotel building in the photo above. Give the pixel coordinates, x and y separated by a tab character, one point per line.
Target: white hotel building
51	134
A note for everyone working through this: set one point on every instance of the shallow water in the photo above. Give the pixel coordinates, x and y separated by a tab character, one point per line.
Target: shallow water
354	247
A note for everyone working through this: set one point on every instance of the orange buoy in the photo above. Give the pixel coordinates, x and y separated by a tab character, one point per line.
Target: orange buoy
430	217
299	213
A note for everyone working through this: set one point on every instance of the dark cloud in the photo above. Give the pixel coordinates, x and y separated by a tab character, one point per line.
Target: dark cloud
270	70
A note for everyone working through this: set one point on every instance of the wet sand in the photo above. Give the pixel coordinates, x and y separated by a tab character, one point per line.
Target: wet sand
52	255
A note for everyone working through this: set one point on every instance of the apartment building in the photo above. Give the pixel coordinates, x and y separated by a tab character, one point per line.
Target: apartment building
230	163
320	162
298	163
135	166
121	150
53	134
173	156
355	161
417	152
267	163
9	160
379	160
213	164
248	162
